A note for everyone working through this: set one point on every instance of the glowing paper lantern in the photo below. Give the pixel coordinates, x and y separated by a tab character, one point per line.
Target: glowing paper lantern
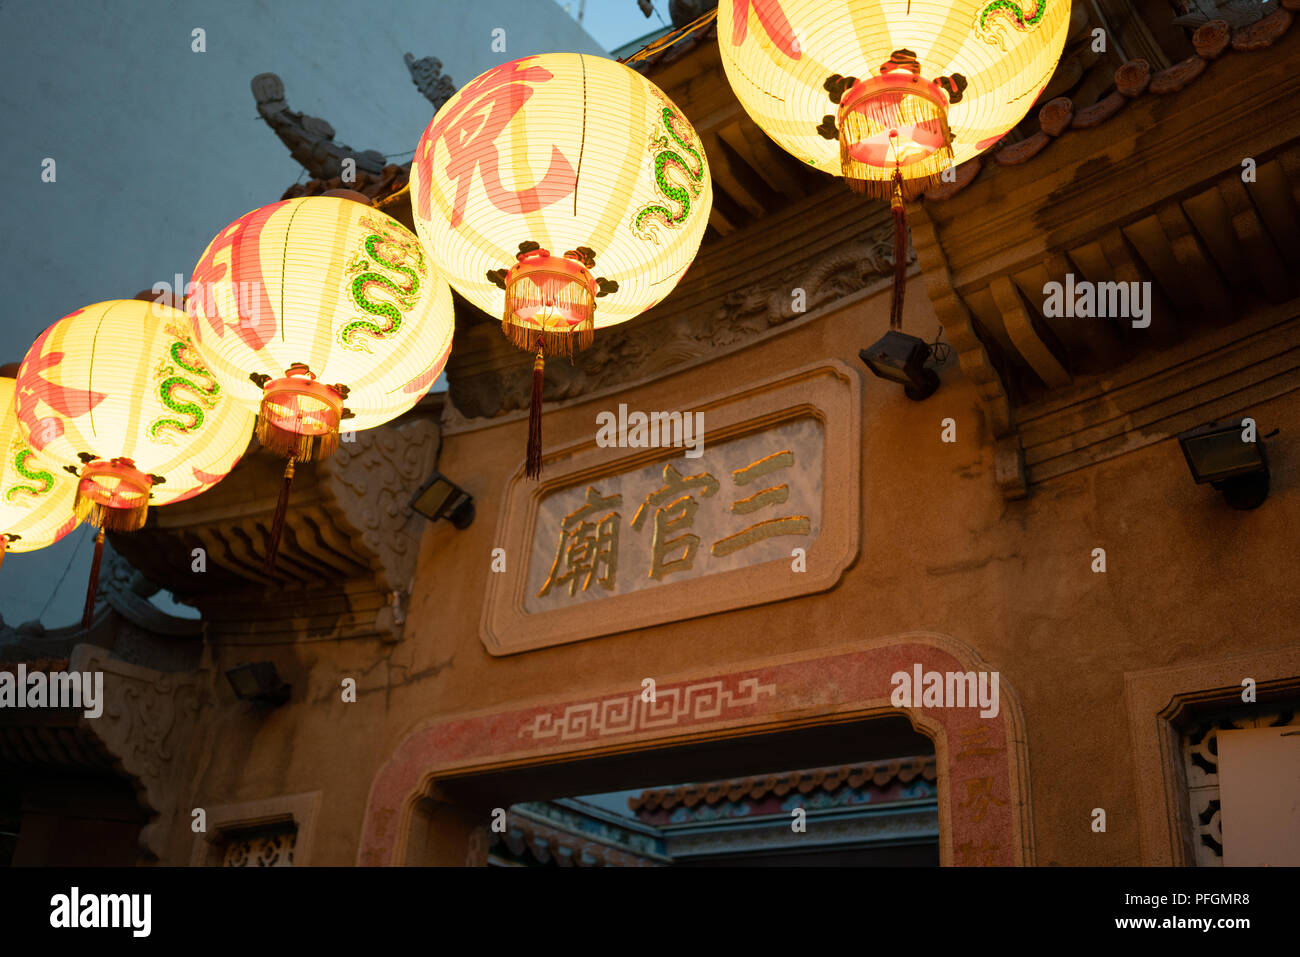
317	310
564	193
36	501
889	93
117	395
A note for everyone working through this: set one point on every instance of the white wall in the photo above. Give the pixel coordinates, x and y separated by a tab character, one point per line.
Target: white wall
158	147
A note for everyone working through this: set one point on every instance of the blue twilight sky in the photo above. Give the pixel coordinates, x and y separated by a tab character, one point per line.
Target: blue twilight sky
612	23
158	145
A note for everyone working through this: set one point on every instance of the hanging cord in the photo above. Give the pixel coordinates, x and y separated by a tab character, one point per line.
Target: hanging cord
533	463
281	511
900	251
88	614
664	42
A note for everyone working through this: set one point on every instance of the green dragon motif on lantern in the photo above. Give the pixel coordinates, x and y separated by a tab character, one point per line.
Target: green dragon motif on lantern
393	253
1008	13
179	371
680	189
20	454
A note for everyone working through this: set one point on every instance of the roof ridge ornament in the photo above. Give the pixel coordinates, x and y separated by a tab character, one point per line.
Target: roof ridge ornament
310	139
433	84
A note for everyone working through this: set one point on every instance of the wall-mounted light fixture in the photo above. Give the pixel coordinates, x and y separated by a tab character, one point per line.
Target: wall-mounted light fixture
258	681
1219	455
440	497
901	358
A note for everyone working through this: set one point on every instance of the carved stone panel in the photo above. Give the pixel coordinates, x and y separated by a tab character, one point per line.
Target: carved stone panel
147	717
740	503
615	539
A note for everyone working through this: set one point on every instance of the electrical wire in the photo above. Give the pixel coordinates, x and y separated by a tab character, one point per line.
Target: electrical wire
664	42
71	558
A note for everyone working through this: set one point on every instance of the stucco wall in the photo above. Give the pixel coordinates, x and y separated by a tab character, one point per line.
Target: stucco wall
941	551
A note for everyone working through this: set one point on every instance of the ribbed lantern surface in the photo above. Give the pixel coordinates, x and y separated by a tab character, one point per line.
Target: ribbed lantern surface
328	292
117	393
860	87
564	193
322	315
36	500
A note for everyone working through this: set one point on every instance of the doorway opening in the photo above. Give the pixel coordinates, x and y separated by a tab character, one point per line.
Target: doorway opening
861	792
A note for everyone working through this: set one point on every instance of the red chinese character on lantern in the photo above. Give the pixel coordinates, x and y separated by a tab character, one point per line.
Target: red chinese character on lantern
470	125
233	256
774	21
69	403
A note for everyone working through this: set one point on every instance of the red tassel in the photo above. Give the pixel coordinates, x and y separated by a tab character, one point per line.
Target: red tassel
533	464
89	613
900	252
277	523
4	541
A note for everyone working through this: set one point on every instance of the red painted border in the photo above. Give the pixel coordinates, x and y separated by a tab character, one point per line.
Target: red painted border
981	801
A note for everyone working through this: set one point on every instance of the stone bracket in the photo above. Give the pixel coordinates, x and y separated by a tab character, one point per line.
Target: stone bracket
147	717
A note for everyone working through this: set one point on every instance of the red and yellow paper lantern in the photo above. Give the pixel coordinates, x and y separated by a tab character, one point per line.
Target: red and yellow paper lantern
889	93
316	312
564	193
36	501
117	394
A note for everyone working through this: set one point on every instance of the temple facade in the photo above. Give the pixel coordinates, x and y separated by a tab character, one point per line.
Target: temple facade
763	607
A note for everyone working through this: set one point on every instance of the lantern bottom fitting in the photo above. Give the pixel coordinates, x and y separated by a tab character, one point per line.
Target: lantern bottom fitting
550	304
113	495
299	418
894	121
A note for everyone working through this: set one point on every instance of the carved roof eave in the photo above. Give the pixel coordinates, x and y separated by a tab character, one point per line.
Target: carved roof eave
145	717
716	310
348	552
1120	194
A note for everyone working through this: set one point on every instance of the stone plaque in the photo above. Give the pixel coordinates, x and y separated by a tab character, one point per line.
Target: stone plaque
615	539
745	501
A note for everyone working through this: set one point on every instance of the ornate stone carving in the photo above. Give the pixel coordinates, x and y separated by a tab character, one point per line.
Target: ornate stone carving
427	75
965	175
1236	13
1054	117
1131	78
1211	39
1177	76
1103	109
1025	150
371	481
628	353
146	715
266	847
310	139
1263	34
